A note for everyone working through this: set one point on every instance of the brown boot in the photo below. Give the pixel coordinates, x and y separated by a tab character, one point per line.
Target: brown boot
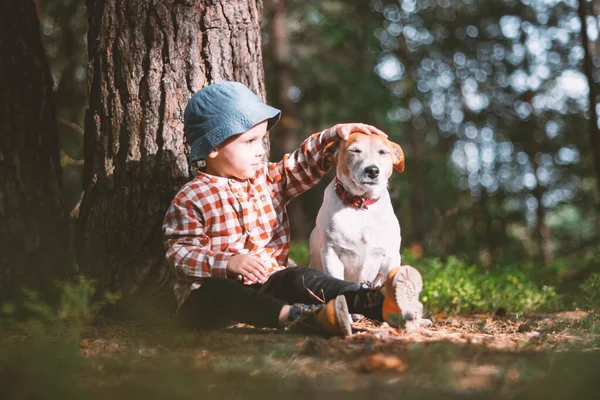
401	304
332	319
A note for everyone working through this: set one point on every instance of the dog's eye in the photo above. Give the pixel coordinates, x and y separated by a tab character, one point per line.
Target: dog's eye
355	151
384	152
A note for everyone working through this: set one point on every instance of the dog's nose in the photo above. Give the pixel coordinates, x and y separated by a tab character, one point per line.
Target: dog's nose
372	171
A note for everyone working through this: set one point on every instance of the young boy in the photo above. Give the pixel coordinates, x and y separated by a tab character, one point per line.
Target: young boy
227	232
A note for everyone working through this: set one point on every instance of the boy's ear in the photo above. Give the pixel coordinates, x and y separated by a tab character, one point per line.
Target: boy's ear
213	153
331	151
397	157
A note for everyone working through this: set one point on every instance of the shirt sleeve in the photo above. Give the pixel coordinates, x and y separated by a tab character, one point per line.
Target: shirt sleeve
302	169
188	249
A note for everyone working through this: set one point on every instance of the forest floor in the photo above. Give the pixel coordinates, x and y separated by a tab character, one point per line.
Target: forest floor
541	356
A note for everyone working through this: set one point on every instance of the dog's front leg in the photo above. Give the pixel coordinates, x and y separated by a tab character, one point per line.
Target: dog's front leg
332	264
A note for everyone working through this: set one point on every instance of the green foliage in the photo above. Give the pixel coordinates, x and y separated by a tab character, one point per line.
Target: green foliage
39	358
591	290
300	253
64	322
454	286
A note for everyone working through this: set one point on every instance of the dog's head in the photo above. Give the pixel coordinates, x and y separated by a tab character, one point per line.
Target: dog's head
365	162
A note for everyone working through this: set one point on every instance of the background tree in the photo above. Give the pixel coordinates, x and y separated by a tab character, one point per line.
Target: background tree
64	28
484	96
283	87
33	223
146	60
487	98
584	12
330	58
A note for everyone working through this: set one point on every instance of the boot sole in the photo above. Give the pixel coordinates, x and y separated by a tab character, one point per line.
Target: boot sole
407	285
342	315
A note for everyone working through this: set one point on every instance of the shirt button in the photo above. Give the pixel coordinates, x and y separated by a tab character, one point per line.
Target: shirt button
232	181
263	198
239	194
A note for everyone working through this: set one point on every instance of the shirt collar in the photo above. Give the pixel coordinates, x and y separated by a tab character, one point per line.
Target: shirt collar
222	181
211	179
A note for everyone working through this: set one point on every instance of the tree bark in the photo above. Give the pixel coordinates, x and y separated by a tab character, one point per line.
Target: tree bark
588	69
34	233
146	61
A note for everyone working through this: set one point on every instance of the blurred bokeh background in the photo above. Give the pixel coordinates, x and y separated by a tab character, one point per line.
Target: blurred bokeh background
490	101
495	105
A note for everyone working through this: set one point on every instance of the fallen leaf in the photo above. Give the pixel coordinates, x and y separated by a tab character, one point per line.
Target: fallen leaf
381	361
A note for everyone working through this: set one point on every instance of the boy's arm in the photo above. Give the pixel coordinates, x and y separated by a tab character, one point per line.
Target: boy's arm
303	168
187	246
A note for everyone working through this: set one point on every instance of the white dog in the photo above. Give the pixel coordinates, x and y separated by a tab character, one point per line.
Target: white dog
357	235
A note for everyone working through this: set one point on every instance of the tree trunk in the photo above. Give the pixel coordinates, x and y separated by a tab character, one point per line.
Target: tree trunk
287	132
594	133
542	231
415	164
146	61
33	223
533	148
418	198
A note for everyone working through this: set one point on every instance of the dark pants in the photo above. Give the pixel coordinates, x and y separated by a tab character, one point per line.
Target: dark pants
220	302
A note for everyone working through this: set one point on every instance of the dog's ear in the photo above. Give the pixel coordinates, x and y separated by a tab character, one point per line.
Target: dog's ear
397	157
331	151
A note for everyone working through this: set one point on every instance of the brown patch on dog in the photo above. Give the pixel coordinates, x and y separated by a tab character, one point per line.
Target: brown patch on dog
331	152
344	168
398	156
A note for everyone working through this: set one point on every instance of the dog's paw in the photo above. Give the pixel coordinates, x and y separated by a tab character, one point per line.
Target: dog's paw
426	323
415	324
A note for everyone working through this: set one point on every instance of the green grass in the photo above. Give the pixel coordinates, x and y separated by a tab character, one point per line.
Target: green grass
300	253
453	286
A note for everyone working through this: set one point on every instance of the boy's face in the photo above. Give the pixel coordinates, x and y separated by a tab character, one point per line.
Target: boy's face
239	156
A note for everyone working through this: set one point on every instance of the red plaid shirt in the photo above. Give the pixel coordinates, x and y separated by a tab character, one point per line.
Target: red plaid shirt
213	218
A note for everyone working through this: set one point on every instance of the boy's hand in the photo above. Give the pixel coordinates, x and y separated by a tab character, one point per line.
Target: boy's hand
248	266
344	130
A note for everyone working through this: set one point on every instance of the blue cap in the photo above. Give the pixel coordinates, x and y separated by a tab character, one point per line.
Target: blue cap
219	111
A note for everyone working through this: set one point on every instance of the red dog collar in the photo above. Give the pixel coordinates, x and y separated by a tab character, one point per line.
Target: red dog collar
351	200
